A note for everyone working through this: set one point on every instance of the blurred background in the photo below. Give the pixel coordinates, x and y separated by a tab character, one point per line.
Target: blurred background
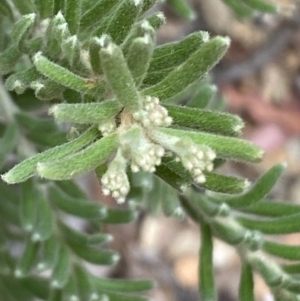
259	79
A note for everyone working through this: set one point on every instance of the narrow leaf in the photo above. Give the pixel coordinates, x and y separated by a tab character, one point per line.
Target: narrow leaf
207	286
21	29
271	209
24	6
281	225
194	68
239	8
258	191
8	59
46	8
61	272
205	120
26	169
93	255
96	13
64	77
78	207
83	113
28	210
44	226
9	139
174	54
183	9
283	251
83	161
73	12
83	238
263	6
50	254
122	285
225	147
119	77
27	259
246	287
143	49
203	96
119	216
120	23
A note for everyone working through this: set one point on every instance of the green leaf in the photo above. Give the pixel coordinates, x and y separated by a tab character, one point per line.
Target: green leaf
214	182
291	268
47	89
46	8
194	68
225	147
65	77
5	10
205	120
21	29
95	45
83	113
281	225
44	226
49	254
156	20
283	251
143	49
148	4
83	161
20	81
207	286
8	59
262	6
26	169
169	200
224	184
55	294
9	139
119	216
246	287
122	285
72	13
85	286
174	54
71	49
83	238
271	209
24	6
62	269
37	286
203	96
258	191
122	297
71	189
27	259
96	13
93	255
124	17
28	209
119	77
183	9
78	207
239	8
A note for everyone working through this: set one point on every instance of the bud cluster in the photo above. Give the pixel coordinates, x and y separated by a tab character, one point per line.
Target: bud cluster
115	180
152	114
107	127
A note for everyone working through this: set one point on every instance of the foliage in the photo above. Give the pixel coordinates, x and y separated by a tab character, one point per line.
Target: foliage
125	121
